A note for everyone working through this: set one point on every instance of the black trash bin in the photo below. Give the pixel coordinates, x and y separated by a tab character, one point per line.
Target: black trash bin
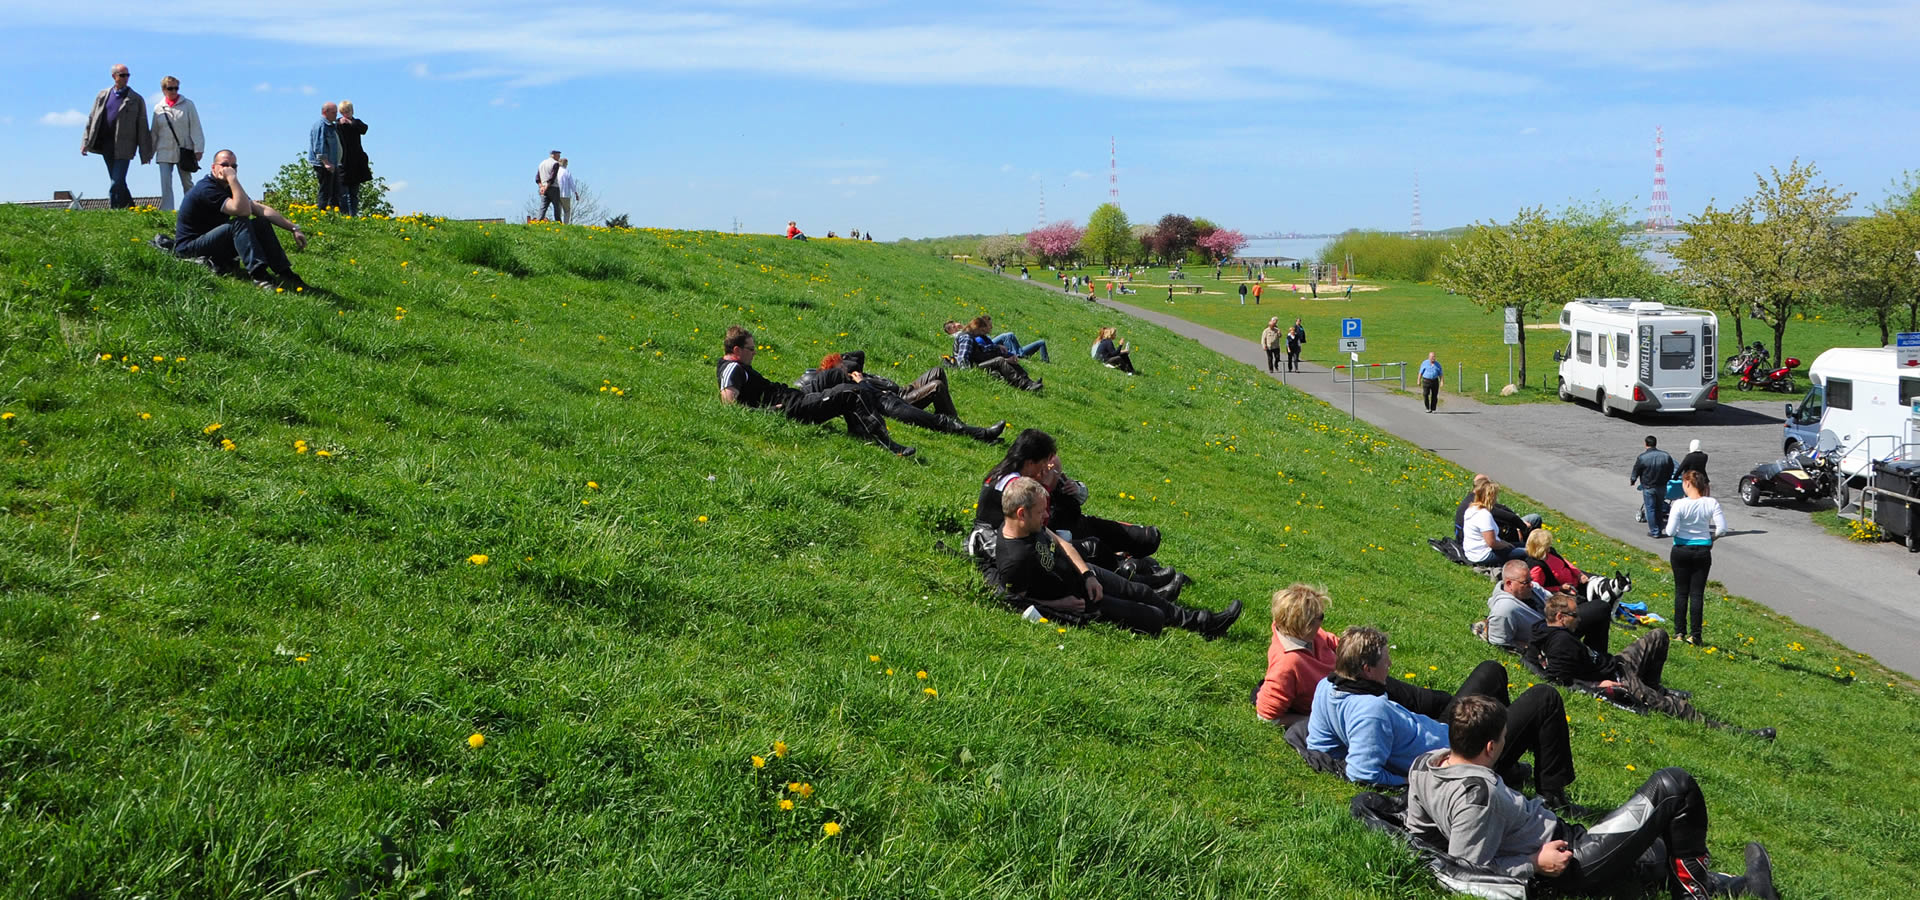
1897	517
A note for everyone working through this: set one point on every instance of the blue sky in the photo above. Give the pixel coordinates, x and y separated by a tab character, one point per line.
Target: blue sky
915	119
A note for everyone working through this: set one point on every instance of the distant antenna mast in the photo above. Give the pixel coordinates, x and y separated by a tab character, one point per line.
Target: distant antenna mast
1042	223
1113	171
1418	226
1660	211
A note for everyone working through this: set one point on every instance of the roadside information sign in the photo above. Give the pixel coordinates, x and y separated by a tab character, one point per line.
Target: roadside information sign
1512	334
1906	349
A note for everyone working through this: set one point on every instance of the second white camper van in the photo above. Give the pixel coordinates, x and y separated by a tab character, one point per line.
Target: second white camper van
1863	396
1634	356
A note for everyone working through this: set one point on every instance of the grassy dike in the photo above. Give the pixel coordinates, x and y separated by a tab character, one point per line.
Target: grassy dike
480	485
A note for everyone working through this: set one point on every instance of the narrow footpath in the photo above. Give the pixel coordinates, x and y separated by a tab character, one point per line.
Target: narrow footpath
1574	460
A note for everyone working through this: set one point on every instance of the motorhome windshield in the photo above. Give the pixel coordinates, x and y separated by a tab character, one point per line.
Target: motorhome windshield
1676	351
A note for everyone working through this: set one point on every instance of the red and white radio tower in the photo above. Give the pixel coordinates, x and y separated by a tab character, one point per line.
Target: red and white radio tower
1113	171
1659	212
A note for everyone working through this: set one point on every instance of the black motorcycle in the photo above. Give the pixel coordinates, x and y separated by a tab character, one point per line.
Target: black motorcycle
1804	475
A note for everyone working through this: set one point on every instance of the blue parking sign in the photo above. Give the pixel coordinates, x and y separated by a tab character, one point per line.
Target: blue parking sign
1350	328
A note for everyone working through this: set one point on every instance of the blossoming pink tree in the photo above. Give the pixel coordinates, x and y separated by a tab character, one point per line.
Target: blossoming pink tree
1057	242
1223	243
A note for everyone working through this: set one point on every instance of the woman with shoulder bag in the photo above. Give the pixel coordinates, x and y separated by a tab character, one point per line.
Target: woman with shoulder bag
177	139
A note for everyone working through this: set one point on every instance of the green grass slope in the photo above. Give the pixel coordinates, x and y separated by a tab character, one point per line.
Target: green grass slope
248	661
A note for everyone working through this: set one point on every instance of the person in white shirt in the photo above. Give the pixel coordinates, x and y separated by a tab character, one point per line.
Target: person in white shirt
1693	523
1479	536
564	181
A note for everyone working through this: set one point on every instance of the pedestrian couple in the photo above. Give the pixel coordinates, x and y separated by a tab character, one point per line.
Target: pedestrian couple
118	130
1273	340
340	165
554	183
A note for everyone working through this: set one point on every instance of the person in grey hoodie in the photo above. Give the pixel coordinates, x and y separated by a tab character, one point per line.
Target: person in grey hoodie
1456	802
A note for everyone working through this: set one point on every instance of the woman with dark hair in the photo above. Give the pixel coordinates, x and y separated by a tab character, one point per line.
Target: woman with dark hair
1693	523
1124	547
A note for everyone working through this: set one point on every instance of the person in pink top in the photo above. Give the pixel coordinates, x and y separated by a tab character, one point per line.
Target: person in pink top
1298	657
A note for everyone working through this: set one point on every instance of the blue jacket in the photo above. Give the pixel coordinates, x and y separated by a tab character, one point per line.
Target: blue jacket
323	142
1379	738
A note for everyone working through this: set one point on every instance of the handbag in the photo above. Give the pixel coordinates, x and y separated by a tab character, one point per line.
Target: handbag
189	159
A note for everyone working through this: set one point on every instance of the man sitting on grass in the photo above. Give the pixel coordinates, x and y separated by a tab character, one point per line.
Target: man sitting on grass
1517	612
1039	567
901	405
739	383
1354	717
1456	800
1635	672
988	357
219	224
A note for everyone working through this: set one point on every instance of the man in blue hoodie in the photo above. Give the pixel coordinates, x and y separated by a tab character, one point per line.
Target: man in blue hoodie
1354	718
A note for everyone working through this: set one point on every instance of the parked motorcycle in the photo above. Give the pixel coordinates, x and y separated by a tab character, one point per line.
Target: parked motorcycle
1804	475
1780	379
1745	361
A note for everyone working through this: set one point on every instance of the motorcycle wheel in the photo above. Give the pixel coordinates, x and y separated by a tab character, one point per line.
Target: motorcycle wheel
1749	491
1746	383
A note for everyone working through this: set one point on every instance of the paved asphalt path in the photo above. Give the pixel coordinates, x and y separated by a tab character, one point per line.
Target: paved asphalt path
1571	458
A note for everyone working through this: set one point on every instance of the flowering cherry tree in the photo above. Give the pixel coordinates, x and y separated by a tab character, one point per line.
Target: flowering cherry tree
1223	243
1055	242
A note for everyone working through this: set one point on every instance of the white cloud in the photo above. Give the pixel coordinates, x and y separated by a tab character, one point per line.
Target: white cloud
1117	53
69	118
1079	174
6	120
418	69
855	179
308	90
395	187
1529	130
263	86
1006	167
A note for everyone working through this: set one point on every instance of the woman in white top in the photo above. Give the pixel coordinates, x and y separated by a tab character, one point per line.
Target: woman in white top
177	139
1693	523
1479	537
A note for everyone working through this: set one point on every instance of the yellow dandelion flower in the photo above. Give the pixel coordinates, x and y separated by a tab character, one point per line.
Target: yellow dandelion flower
159	359
226	444
930	692
830	829
210	428
785	803
7	417
922	674
321	453
143	416
703	518
889	671
780	749
873	657
1630	768
476	740
759	762
593	485
299	659
478	559
134	369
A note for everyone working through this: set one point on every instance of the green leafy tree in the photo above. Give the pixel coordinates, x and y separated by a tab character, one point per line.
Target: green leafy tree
1109	236
1539	261
1774	252
1881	281
295	185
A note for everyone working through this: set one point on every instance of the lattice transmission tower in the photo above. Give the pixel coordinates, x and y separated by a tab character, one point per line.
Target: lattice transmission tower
1042	222
1113	171
1418	226
1660	210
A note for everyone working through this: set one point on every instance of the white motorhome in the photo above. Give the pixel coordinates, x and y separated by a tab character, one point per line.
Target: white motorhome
1634	356
1867	401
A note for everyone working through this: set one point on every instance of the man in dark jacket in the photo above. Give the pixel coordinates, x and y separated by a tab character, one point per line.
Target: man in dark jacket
907	405
741	384
1652	469
1040	567
117	129
1634	672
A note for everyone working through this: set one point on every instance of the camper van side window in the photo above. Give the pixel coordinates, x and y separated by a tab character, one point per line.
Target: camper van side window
1603	347
1620	349
1909	391
1839	393
1583	346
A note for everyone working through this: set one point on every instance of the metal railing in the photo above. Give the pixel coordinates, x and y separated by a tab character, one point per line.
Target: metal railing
1365	372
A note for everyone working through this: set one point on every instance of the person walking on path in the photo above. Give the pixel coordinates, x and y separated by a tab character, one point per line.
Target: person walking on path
1694	523
546	186
1256	292
1243	293
323	154
355	168
178	141
1296	338
1430	372
117	129
564	181
1694	461
1652	469
1270	341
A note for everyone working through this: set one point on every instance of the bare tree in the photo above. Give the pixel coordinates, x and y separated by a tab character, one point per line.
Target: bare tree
587	206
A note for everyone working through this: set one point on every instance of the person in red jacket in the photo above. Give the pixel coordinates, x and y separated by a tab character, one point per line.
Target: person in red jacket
793	232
